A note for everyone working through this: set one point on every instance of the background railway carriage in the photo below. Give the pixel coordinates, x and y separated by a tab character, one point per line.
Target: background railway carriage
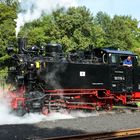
46	79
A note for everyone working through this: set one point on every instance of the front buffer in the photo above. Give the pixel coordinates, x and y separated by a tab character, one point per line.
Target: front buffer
22	102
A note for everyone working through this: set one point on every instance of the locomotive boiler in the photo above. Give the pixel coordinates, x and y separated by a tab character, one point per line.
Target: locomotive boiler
46	79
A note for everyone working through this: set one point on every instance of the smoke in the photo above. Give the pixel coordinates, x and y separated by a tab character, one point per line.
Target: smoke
32	9
55	75
7	117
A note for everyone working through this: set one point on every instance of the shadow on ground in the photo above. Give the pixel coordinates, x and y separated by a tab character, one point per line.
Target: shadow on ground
31	132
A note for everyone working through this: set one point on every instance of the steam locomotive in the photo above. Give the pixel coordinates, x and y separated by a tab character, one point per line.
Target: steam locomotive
46	79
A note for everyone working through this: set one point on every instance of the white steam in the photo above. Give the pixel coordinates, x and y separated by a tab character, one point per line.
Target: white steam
7	117
33	9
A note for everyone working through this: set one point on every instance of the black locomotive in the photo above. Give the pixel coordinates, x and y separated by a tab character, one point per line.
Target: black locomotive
46	79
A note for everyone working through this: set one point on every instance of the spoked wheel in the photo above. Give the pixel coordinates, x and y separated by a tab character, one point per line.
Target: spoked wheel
20	111
108	107
45	111
97	108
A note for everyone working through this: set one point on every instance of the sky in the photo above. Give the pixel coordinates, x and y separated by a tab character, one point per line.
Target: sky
112	7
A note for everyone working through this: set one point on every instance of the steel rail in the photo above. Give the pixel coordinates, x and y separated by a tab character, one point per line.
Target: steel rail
126	107
116	135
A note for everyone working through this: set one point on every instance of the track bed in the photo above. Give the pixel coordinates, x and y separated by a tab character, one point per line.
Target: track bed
102	122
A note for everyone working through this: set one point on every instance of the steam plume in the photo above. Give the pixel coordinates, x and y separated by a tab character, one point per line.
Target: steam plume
7	117
33	9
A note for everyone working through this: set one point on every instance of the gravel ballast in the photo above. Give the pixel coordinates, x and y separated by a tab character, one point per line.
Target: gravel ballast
100	123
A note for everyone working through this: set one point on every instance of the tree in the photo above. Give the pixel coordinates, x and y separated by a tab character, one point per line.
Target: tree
104	21
123	32
73	28
38	31
76	29
7	30
120	31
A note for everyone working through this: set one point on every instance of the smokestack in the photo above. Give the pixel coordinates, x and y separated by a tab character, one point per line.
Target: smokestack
22	44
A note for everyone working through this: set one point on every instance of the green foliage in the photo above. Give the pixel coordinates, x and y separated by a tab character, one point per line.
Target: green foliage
73	28
120	31
7	31
77	28
3	73
7	34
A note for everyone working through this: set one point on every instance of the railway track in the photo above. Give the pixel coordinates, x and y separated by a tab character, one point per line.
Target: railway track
131	134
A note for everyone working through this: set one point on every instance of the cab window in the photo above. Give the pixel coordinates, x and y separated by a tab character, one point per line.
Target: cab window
123	58
114	59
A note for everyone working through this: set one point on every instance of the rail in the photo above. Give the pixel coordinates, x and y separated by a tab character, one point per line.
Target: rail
133	134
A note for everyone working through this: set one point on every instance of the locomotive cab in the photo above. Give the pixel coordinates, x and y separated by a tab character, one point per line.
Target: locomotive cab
114	57
118	57
122	77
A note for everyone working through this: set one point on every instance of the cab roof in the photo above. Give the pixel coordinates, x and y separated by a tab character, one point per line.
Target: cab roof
118	52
